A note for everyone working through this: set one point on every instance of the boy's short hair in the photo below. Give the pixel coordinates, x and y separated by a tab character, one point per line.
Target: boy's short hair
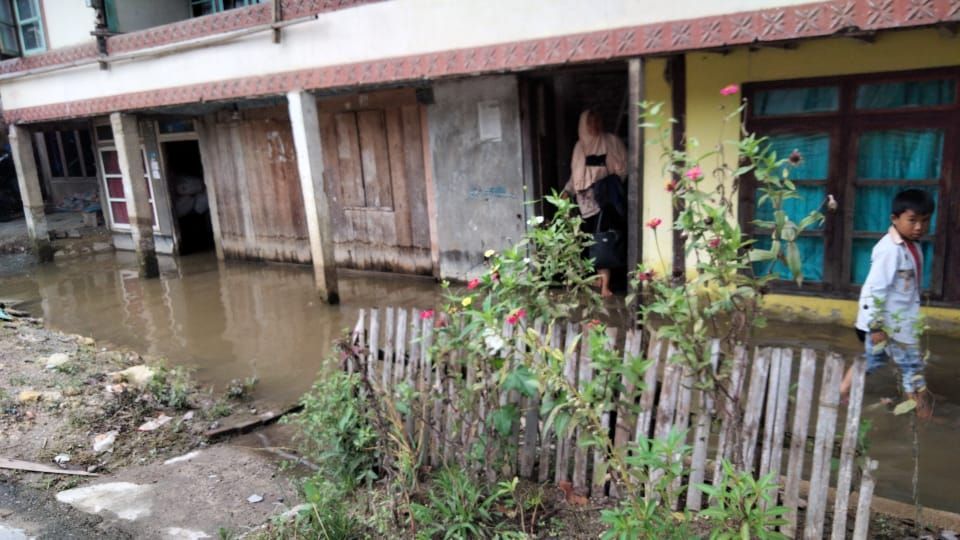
917	200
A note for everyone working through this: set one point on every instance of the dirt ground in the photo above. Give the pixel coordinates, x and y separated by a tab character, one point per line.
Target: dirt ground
168	482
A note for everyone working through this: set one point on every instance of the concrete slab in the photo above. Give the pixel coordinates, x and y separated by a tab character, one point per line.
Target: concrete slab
125	500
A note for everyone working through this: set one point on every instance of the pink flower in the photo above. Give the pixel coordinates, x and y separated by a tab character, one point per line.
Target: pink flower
593	322
714	243
515	317
654	223
695	173
729	90
426	314
473	284
495	276
645	276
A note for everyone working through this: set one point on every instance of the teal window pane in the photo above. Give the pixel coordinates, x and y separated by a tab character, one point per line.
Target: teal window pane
811	255
785	101
814	150
811	198
909	154
893	95
872	206
863	248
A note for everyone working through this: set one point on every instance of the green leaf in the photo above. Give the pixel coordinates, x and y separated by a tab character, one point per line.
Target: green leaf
905	407
503	419
522	380
794	263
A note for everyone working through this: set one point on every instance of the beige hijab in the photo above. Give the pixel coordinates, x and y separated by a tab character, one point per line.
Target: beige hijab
595	144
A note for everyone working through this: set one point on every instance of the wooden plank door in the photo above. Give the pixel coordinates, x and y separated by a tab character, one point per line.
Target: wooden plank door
376	182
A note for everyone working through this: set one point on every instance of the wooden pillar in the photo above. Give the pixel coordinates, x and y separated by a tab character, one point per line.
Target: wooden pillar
306	138
635	85
206	132
126	134
21	145
677	66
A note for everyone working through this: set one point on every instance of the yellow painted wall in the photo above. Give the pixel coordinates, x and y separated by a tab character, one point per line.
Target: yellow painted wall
656	200
707	73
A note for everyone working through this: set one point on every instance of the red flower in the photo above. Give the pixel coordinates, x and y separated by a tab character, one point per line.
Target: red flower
729	90
714	243
515	317
671	186
695	173
592	323
645	276
473	284
426	314
654	223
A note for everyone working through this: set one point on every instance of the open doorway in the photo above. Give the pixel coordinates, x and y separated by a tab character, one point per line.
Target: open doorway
188	196
553	101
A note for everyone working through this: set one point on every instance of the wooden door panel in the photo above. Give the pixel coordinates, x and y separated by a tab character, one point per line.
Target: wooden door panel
331	176
348	160
416	177
398	176
375	159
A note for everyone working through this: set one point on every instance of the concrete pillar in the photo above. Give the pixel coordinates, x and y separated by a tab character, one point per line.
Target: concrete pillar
126	134
21	145
635	86
306	138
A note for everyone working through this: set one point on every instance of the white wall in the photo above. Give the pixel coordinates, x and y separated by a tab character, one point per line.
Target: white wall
139	14
68	22
380	30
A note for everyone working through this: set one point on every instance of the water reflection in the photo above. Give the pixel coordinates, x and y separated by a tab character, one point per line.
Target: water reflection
226	320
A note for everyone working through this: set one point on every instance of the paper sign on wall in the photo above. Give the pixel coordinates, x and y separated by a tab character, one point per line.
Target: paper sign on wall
488	117
154	167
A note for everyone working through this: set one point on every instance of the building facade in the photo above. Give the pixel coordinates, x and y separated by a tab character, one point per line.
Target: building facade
406	135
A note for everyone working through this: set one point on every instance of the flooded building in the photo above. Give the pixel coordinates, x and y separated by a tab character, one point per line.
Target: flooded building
406	135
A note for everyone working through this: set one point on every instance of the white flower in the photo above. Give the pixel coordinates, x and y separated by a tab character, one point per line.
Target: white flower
535	220
493	340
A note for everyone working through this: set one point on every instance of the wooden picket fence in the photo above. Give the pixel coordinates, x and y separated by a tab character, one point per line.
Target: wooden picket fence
398	346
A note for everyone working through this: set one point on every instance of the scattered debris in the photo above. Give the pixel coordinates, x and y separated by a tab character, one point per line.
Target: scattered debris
244	426
61	459
20	465
181	459
124	499
948	534
253	499
176	533
104	441
138	376
33	396
155	423
56	360
187	417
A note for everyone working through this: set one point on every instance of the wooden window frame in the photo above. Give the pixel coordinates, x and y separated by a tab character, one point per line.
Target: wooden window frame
61	153
125	227
218	7
844	126
38	19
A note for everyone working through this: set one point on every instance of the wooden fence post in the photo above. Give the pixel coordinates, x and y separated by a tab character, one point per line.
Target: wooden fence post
823	447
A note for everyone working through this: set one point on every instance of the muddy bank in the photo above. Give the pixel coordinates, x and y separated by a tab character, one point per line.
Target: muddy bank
74	405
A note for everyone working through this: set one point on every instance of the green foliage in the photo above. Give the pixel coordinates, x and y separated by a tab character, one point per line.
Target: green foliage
743	507
658	464
171	387
458	507
336	429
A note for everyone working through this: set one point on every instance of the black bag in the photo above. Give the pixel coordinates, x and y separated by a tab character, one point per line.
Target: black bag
607	249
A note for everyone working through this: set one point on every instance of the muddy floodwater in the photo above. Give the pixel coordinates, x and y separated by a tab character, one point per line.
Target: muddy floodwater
237	320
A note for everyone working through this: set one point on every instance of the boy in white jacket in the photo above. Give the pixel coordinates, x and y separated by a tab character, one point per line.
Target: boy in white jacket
889	305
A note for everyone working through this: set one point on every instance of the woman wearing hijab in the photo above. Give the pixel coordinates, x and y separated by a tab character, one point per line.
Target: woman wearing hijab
596	156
